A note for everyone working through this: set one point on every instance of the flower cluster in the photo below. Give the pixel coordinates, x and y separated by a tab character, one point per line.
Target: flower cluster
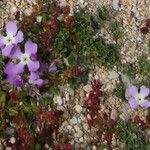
19	61
138	97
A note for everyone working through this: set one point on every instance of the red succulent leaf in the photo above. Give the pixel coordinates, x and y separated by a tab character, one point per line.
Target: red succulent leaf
67	147
139	122
17	15
22	132
66	10
108	138
144	30
21	122
148	23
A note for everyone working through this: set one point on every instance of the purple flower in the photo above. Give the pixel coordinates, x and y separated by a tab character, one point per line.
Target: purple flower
52	67
12	77
34	79
13	37
15	79
137	98
27	58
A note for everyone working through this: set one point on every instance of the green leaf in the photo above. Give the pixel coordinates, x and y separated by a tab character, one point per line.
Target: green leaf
35	29
37	146
132	136
103	13
72	60
45	17
120	90
13	111
129	70
116	30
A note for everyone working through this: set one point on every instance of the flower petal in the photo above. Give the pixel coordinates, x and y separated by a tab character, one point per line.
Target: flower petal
39	82
145	104
19	68
133	90
11	28
33	65
144	91
19	37
16	52
15	79
133	103
33	76
7	50
30	47
9	68
53	67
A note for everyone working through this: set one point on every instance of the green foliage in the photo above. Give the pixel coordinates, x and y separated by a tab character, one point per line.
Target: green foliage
120	90
103	13
145	70
45	17
129	70
132	136
75	81
116	30
144	66
80	44
72	60
37	147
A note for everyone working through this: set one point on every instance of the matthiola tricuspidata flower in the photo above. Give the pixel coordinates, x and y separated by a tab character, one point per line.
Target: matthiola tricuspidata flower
12	38
28	58
12	76
34	79
138	97
52	67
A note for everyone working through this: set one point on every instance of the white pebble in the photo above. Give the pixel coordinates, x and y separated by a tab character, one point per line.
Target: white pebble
39	19
12	140
78	108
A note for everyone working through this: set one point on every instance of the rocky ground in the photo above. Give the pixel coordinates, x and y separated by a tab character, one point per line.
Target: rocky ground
131	14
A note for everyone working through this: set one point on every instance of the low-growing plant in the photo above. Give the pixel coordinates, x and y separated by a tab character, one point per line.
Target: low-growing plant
120	90
129	70
132	136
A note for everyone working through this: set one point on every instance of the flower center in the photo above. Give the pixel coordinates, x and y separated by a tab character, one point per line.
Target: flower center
25	59
9	39
140	98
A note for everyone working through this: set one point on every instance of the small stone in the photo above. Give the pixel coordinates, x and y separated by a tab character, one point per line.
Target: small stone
9	131
113	75
94	148
77	129
12	140
59	100
81	139
60	18
115	4
28	11
69	127
86	127
114	114
87	88
73	120
67	96
78	108
8	148
79	120
39	19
